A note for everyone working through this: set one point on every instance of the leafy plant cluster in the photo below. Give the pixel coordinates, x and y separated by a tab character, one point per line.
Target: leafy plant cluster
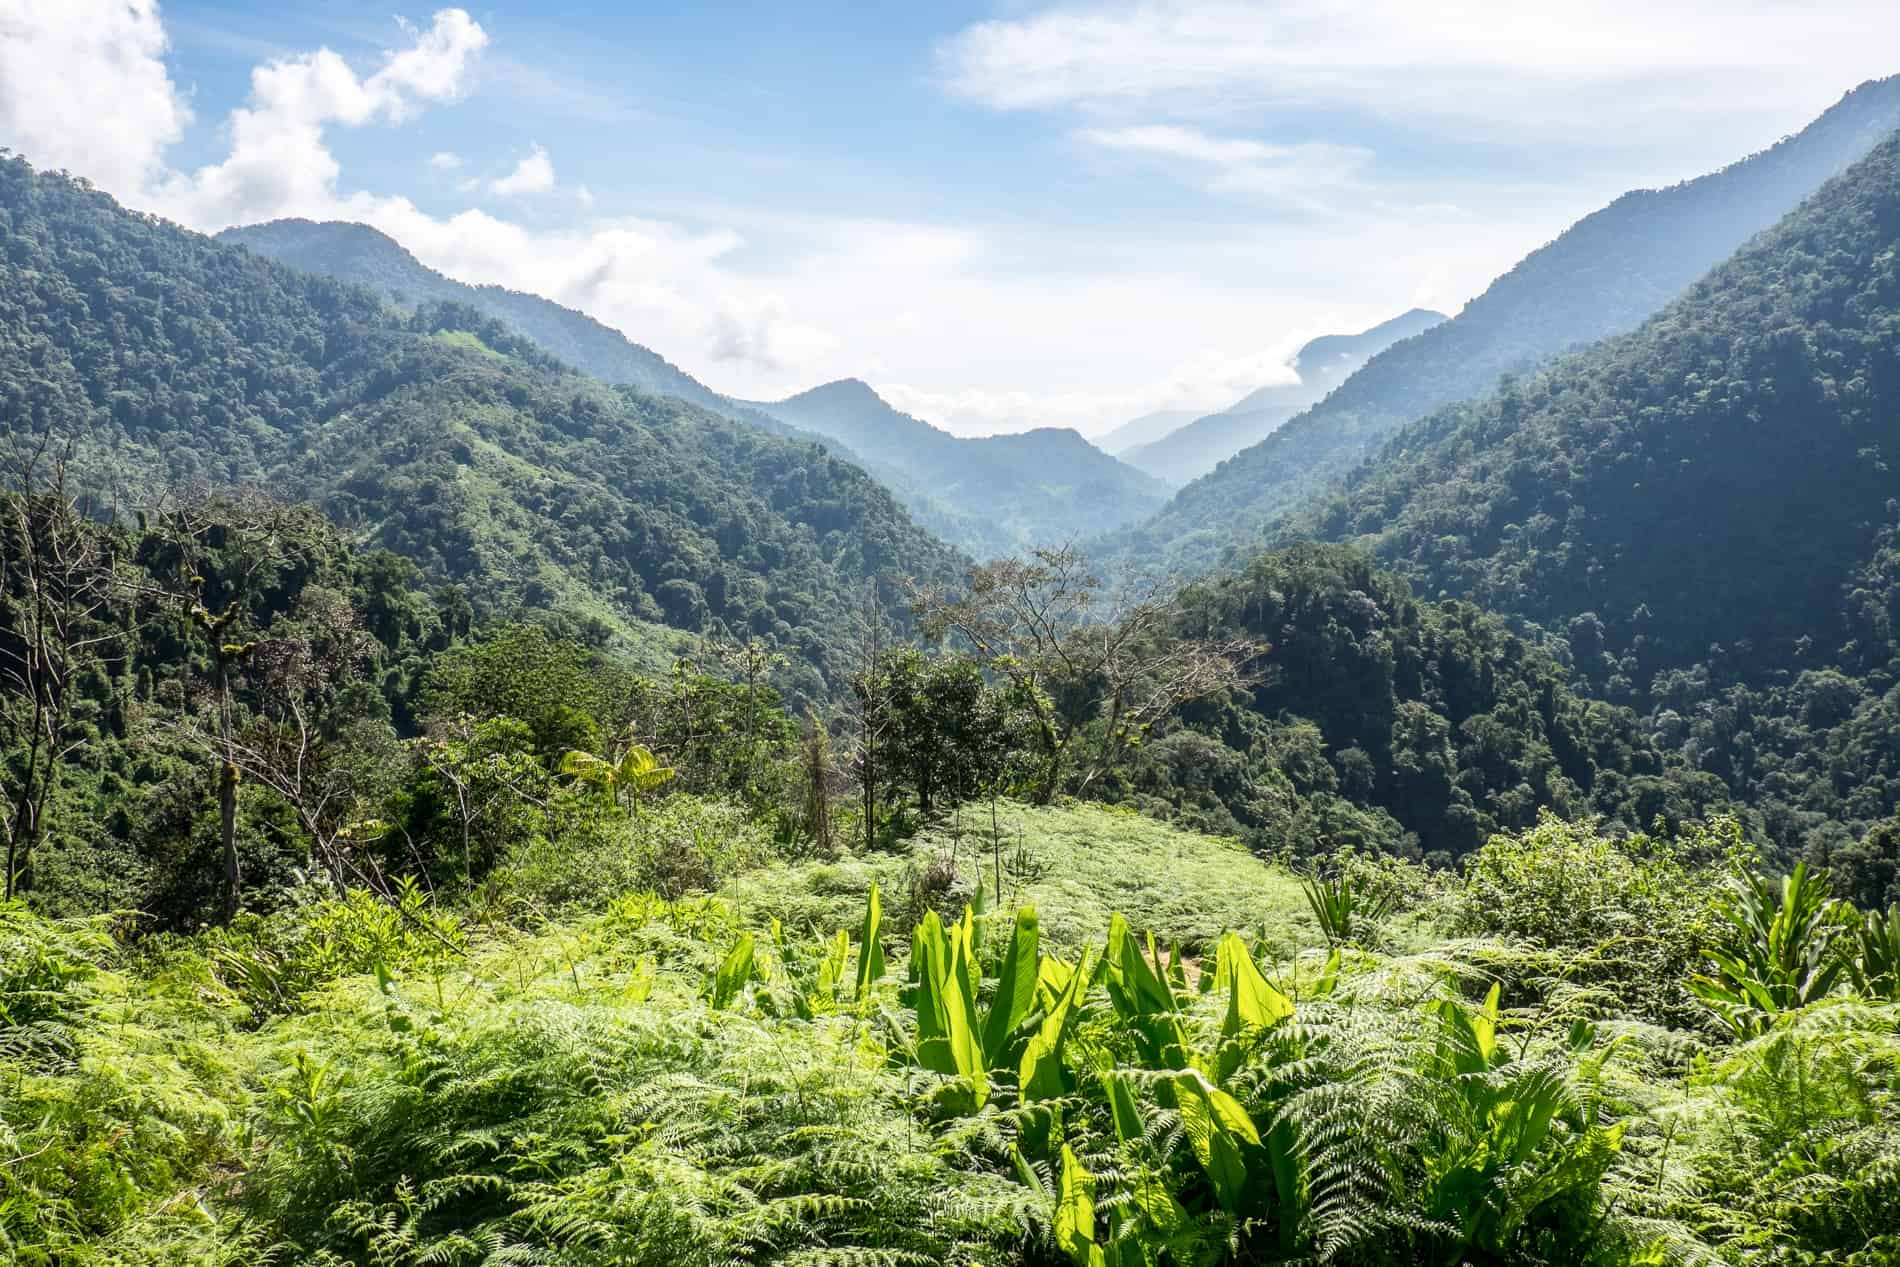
1699	517
663	1081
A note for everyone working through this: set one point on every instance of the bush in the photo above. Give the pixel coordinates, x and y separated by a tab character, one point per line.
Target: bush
1630	916
683	844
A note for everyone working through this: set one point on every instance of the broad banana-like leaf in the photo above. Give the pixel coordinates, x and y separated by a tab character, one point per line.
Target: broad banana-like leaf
1217	1126
1015	988
929	968
1075	1212
964	1032
870	948
641	770
1177	970
831	967
1041	1076
1143	1000
1122	1106
733	972
1251	1001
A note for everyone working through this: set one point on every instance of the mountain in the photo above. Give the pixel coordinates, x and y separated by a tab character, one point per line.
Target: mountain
1703	510
989	494
1191	451
1144	430
1393	723
1603	275
173	359
950	490
360	254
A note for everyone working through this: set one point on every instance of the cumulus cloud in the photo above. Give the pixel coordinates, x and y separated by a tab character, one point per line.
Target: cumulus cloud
445	161
279	163
83	86
534	174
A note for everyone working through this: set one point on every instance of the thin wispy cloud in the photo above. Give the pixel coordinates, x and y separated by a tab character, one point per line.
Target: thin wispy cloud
1505	67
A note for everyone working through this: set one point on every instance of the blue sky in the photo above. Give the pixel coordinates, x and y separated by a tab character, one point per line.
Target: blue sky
999	215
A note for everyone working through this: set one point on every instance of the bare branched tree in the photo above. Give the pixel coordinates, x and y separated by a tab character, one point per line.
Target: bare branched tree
247	529
297	677
1096	674
867	713
59	586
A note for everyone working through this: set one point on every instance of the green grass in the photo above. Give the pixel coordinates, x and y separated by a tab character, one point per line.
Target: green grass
466	340
1076	864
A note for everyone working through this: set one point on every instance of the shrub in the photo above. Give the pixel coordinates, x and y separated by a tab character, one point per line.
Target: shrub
1631	915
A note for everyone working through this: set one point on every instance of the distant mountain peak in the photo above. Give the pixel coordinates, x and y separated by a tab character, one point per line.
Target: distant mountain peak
854	390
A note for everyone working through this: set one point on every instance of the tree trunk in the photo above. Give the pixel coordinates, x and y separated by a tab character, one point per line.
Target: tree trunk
227	796
227	826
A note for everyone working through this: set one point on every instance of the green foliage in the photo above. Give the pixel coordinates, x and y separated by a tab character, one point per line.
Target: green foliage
1390	725
1775	948
1874	956
1632	914
1344	912
1605	274
534	487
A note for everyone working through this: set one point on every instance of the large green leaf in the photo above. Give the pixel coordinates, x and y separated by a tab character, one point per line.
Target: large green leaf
1251	1001
1217	1127
1075	1212
1041	1075
1015	987
733	973
870	948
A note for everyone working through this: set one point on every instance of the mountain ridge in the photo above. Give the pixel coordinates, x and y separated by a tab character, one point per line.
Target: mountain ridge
996	494
1604	274
1322	363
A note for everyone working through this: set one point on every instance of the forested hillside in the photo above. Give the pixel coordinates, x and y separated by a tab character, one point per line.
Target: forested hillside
1703	507
171	358
1604	275
357	253
1384	723
989	494
1195	448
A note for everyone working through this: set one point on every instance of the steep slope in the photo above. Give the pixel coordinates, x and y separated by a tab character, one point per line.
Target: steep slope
1705	506
172	358
360	254
990	494
1193	450
937	481
1388	723
1144	430
1603	275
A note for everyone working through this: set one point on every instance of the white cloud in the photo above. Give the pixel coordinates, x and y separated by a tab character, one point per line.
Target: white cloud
445	161
279	164
1496	67
1182	142
1202	384
534	174
1241	165
83	86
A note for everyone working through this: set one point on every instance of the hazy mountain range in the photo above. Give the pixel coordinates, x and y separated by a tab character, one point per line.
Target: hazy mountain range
1197	447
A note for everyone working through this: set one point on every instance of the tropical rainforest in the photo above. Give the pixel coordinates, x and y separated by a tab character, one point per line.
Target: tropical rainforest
472	795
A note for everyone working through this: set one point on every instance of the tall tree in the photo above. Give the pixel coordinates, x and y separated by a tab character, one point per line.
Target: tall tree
58	580
1096	672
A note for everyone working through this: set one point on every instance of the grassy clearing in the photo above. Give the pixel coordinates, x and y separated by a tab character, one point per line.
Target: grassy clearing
1076	864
